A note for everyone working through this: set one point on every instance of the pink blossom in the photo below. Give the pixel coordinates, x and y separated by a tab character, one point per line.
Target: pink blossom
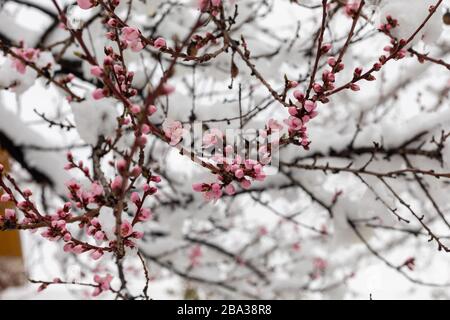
173	130
116	184
136	46
144	214
213	194
126	229
27	54
310	106
239	173
135	198
130	34
294	123
212	137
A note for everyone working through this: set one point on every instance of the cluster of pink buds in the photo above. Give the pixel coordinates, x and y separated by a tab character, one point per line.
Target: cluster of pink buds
27	54
112	65
396	49
104	284
236	169
300	115
390	24
56	231
83	198
94	230
199	42
79	165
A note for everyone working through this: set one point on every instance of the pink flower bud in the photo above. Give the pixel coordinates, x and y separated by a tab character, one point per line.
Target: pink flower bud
136	171
299	95
145	129
197	187
239	173
293	111
144	214
96	71
10	214
99	235
98	94
97	254
151	109
230	190
135	108
67	237
310	105
160	43
116	184
5	198
326	47
332	61
317	87
245	184
135	198
85	4
121	164
126	229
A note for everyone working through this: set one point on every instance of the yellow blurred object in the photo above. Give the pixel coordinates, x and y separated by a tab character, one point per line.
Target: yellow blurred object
11	262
